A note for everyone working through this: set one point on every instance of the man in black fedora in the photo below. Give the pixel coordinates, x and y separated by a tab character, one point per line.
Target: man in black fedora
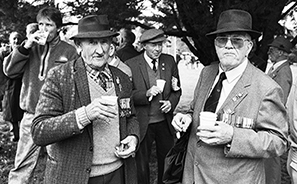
251	120
280	71
85	115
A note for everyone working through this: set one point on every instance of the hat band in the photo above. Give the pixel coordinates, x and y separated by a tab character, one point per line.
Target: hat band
233	26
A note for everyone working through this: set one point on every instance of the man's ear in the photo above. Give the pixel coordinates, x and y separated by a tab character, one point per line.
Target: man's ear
250	46
112	50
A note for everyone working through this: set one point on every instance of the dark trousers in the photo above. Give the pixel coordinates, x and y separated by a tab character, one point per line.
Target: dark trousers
273	170
158	132
116	177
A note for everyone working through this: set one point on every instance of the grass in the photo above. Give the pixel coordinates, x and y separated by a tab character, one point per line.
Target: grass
189	79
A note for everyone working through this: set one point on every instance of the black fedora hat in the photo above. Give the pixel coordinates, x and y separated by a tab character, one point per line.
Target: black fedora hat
234	20
94	26
282	43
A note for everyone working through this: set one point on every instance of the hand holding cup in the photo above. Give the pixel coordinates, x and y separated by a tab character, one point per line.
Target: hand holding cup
102	109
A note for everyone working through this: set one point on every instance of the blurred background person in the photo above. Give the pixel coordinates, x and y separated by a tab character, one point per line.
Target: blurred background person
126	50
115	61
280	71
14	41
11	111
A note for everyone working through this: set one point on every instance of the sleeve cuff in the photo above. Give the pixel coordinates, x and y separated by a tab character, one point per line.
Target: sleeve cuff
82	118
23	50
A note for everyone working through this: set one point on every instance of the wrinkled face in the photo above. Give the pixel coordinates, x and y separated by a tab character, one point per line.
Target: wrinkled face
96	51
45	24
232	49
274	54
153	50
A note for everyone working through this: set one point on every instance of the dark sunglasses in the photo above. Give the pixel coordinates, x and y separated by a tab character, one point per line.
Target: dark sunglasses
237	42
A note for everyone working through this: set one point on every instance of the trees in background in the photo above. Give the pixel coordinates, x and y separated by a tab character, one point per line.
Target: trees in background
17	14
186	19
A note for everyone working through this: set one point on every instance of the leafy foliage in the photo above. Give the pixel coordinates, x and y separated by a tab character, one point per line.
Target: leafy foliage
187	19
119	12
17	15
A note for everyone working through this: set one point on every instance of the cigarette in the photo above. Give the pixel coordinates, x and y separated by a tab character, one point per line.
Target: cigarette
177	135
150	98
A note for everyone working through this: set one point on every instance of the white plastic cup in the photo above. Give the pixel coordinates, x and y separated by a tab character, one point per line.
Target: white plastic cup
42	38
161	84
112	99
208	118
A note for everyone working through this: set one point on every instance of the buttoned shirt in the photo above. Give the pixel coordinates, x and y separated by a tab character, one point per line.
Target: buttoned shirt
149	61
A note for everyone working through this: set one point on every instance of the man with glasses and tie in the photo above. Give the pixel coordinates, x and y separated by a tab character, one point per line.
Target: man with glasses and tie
252	119
154	105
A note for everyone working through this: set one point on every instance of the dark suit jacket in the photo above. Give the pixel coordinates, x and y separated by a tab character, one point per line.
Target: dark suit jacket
283	76
70	150
255	100
168	69
127	52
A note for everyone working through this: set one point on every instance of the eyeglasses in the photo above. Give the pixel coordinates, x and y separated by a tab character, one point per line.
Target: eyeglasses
237	42
272	49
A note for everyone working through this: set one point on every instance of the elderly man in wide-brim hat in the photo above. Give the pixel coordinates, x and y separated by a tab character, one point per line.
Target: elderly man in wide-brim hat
85	115
251	120
280	72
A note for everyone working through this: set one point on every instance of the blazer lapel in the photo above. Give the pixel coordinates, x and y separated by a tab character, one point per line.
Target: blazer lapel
143	70
274	73
82	85
208	82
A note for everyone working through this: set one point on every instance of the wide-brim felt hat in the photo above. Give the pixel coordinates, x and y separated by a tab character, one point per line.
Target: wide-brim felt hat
94	26
152	36
234	20
282	43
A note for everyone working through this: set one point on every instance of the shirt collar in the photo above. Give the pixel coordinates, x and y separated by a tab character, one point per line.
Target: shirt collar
236	72
149	60
113	62
95	73
277	64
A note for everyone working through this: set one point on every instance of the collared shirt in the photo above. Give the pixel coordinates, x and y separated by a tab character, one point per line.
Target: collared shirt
269	65
149	61
113	62
232	78
95	75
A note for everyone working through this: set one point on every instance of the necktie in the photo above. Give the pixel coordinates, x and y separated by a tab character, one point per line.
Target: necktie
154	65
213	99
103	80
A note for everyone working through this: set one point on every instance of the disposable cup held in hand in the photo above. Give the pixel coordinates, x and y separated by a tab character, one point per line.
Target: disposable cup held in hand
208	118
42	38
161	84
113	99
